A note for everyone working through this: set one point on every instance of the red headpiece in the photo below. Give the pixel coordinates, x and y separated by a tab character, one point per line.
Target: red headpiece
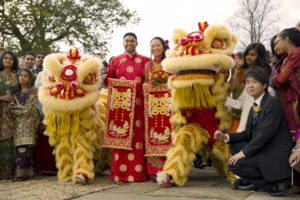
73	53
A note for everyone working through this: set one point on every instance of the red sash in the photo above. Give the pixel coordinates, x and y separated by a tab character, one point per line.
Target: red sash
120	114
157	116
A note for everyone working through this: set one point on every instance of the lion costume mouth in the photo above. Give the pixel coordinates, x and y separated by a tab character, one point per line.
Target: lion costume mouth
196	71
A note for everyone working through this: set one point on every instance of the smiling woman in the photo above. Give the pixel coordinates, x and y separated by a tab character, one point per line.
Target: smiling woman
255	53
159	136
8	84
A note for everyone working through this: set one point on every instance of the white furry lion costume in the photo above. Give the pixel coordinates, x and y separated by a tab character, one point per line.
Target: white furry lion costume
75	127
199	90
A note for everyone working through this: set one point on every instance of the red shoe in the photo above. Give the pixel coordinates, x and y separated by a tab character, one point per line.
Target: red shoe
81	178
163	179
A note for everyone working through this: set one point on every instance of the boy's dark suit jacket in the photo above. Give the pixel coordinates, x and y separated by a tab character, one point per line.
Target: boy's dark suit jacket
268	139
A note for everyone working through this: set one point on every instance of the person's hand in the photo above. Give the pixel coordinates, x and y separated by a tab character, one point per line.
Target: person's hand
239	64
33	90
219	135
235	158
295	156
7	98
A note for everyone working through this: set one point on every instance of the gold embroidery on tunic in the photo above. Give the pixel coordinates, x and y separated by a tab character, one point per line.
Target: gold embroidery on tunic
130	178
122	60
138	79
129	69
130	156
138	168
138	60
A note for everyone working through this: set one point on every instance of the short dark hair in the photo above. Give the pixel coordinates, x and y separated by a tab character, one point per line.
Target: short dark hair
105	64
15	66
259	74
239	54
266	68
130	34
111	59
29	53
41	53
273	47
293	34
261	53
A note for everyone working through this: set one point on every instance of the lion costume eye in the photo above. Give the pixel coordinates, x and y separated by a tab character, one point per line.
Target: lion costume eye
90	79
218	44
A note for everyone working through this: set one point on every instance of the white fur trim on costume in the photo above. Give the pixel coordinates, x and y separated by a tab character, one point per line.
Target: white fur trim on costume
179	63
161	177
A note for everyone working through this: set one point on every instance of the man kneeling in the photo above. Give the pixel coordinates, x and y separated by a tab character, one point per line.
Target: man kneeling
261	152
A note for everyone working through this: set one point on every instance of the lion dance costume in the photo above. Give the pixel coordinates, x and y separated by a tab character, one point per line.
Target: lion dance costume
199	63
71	104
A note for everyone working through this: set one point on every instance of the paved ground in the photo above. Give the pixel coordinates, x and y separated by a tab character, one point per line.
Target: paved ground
202	184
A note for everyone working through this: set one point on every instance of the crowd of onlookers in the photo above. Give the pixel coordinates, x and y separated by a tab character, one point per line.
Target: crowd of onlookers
23	146
282	67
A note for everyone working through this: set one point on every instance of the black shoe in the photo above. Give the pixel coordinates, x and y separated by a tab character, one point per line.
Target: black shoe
199	166
248	187
237	183
198	162
282	187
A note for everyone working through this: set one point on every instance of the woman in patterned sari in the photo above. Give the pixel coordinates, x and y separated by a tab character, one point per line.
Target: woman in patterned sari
8	84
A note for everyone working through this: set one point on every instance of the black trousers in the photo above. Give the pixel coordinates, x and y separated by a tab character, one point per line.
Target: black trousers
248	169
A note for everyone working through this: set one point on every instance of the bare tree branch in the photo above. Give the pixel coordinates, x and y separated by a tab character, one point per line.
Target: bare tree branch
254	21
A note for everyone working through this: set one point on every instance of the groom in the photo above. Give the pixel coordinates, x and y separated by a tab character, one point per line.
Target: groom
261	152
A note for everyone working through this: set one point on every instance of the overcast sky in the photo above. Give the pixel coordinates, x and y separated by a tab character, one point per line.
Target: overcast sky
161	17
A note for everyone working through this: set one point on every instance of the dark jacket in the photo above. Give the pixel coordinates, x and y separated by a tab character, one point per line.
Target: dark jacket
269	139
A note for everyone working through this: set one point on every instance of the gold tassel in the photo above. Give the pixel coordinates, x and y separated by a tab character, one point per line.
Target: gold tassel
197	96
